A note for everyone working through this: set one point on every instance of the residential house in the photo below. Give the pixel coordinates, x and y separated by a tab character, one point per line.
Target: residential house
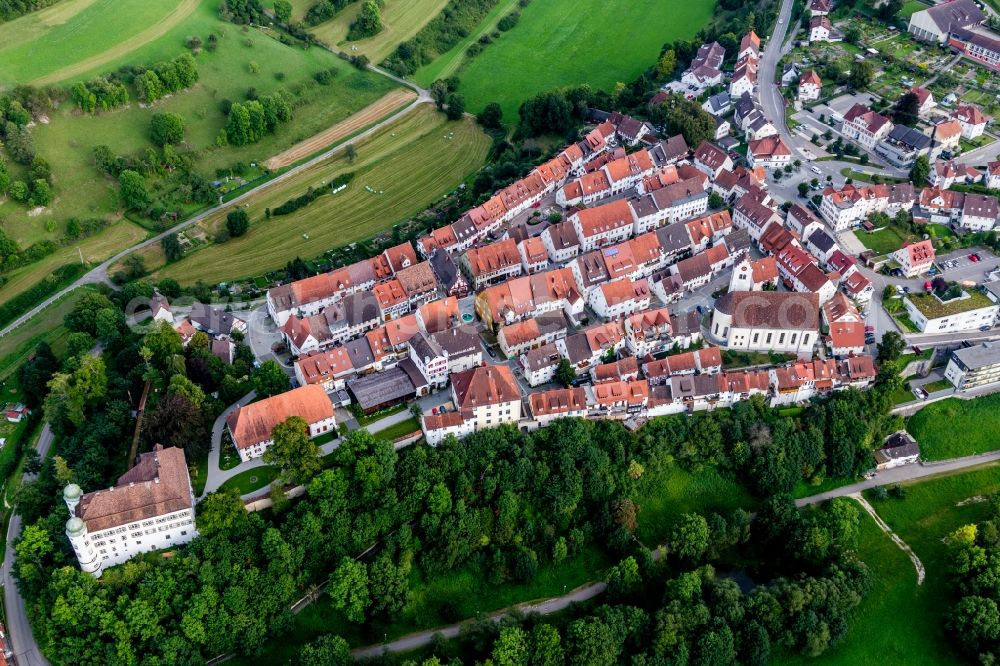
452	282
971	119
215	321
947	136
712	160
329	369
438	315
539	365
822	30
967	311
487	395
903	145
561	242
820	7
547	406
810	86
898	449
614	300
718	105
705	71
771	152
846	328
517	338
491	264
914	258
606	224
992	177
648	332
974	367
821	245
250	426
534	256
753	214
865	127
159	308
925	100
979	212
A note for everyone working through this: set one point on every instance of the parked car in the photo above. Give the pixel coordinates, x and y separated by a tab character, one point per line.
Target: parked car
489	350
869	329
973	258
984	328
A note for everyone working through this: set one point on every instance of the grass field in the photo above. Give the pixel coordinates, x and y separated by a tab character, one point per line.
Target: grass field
953	427
72	38
899	622
449	62
401	20
97	248
69	139
910	7
16	346
413	162
571	42
663	498
251	480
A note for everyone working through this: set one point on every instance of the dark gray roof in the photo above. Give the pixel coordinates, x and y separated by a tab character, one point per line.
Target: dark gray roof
361	307
425	347
949	16
458	341
669	151
643	206
674	237
738	241
543	357
822	240
685	323
382	387
719	103
577	348
360	352
213	320
899	445
444	268
980	356
907	137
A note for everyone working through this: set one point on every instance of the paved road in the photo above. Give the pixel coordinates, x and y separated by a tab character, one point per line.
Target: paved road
420	639
22	640
216	476
99	274
901	475
771	101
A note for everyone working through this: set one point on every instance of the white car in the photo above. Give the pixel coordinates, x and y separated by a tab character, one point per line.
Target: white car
815	170
780	21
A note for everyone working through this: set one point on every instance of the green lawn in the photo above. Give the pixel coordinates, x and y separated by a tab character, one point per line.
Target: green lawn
252	479
883	241
953	427
571	42
398	172
52	44
939	385
407	427
451	61
662	498
910	7
401	20
378	416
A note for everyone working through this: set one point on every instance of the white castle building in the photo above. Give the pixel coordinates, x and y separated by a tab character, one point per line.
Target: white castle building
149	508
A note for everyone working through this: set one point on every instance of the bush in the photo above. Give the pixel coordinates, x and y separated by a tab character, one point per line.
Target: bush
509	21
167	128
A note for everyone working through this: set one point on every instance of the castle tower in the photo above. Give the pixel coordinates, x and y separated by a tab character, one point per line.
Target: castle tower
71	495
76	530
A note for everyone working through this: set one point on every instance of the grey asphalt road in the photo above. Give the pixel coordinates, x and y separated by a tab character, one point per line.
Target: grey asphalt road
22	640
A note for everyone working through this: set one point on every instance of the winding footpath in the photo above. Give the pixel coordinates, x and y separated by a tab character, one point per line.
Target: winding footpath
896	539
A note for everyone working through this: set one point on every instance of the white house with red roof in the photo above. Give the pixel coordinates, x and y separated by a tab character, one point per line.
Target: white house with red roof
810	86
914	258
866	127
770	152
614	300
846	327
822	30
972	120
991	178
712	160
925	99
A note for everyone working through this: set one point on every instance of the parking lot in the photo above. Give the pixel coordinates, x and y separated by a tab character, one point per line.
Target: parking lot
959	266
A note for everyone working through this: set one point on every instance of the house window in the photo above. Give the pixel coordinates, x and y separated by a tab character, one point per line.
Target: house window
781	339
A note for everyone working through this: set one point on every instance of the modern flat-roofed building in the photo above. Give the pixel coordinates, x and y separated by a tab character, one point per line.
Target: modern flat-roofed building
974	367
